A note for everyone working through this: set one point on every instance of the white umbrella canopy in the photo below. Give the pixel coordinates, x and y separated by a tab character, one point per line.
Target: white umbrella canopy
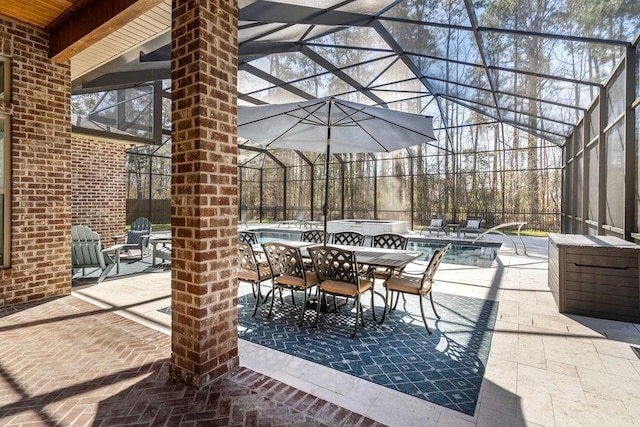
348	126
333	126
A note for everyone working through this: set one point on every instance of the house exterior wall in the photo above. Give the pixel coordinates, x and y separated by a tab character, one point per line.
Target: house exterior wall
98	186
41	168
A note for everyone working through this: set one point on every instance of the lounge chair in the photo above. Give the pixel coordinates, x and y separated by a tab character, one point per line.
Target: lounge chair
300	220
87	251
437	224
318	222
472	225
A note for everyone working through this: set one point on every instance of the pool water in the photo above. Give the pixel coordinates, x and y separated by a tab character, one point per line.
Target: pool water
475	255
461	253
272	235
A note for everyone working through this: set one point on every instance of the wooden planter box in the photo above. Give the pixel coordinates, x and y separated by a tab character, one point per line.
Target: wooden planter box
595	276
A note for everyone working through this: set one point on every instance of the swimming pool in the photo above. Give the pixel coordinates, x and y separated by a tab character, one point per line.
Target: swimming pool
480	254
462	253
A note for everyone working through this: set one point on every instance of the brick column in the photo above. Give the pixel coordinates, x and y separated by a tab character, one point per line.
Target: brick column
204	190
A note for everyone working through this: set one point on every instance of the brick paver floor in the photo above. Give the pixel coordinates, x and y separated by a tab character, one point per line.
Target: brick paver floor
65	362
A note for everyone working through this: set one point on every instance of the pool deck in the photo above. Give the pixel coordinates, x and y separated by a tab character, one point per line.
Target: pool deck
544	368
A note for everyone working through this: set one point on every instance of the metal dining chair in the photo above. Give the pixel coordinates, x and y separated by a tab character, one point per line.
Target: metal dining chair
252	271
249	237
421	285
348	238
388	241
339	275
313	236
288	272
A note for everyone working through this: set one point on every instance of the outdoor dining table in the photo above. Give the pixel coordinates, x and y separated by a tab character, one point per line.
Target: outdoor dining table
391	259
394	259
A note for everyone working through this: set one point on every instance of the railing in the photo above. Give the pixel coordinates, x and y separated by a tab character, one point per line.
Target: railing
497	228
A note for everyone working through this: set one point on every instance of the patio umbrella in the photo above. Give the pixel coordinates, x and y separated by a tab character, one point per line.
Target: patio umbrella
333	126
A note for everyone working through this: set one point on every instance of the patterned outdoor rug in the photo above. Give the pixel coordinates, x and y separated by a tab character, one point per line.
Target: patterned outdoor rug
445	368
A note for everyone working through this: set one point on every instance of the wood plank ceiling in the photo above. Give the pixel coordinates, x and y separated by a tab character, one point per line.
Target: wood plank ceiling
39	13
113	34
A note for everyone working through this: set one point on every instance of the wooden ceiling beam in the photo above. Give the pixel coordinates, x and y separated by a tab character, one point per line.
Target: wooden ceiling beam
91	23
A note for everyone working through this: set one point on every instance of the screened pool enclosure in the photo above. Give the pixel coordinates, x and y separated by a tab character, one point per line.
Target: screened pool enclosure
534	106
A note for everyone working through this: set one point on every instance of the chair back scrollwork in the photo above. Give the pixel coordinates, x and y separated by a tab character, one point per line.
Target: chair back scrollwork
389	241
348	238
249	237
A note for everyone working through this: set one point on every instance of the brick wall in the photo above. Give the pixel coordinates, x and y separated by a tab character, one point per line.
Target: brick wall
98	186
41	168
204	190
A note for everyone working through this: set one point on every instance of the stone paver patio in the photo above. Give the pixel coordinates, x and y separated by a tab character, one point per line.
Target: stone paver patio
67	358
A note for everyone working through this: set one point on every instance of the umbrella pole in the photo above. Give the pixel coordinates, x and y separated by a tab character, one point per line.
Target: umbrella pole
325	208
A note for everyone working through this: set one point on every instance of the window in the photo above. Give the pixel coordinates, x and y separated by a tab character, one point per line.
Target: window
5	82
5	162
5	191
